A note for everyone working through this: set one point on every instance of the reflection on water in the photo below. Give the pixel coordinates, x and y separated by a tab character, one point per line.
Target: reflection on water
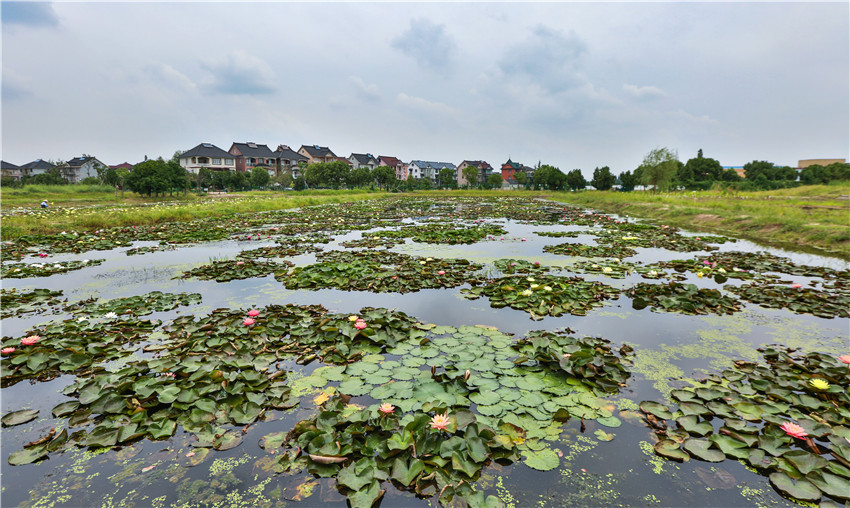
620	469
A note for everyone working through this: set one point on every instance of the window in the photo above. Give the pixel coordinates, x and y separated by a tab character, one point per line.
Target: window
228	162
203	160
216	160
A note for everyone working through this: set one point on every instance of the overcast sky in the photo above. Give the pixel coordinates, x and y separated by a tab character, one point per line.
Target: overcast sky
575	85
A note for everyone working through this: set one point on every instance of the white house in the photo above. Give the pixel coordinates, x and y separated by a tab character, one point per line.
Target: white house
207	155
79	168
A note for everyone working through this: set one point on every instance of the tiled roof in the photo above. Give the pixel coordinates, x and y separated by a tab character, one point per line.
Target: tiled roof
284	152
318	151
8	165
433	164
205	150
390	161
37	164
251	149
363	158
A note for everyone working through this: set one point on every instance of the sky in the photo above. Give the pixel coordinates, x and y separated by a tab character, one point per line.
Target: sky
574	85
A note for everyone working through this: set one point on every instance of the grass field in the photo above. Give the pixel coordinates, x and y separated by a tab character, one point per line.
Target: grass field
811	218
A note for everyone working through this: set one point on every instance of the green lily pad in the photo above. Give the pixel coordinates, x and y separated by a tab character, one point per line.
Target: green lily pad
700	448
802	490
19	417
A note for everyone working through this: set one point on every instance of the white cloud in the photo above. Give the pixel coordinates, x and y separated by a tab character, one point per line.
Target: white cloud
239	73
643	92
424	105
427	43
366	91
548	58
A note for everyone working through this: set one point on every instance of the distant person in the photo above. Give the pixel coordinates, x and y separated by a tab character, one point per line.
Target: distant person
44	204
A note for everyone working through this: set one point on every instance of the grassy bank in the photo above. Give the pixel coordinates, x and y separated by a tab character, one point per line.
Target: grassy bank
78	214
813	218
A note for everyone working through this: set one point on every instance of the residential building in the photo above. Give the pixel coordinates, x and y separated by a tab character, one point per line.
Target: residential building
289	160
363	160
511	168
123	165
804	163
10	170
316	153
207	155
401	169
738	169
484	170
250	155
36	167
79	168
430	169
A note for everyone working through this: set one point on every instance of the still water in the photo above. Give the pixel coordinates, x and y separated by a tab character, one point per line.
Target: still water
670	348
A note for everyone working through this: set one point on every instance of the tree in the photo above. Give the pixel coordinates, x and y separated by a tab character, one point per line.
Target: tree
300	183
576	180
628	181
446	178
753	169
384	175
176	174
603	179
259	177
360	177
520	177
494	181
549	177
730	175
470	174
659	167
149	177
702	169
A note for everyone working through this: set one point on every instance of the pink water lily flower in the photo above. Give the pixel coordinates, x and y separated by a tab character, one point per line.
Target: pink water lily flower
441	272
845	359
7	350
29	341
796	286
253	313
440	421
794	430
386	408
248	322
240	263
360	324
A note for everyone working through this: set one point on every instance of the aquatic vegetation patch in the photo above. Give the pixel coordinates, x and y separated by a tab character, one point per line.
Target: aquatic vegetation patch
544	295
615	268
659	238
25	270
141	305
802	300
590	251
560	234
18	303
511	266
73	345
230	269
787	418
443	233
380	272
684	298
373	242
147	250
279	251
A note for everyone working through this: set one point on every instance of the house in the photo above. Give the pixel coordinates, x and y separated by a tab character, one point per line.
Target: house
430	169
79	168
316	153
738	169
484	170
401	169
363	160
511	168
250	155
10	170
36	167
289	160
207	155
123	165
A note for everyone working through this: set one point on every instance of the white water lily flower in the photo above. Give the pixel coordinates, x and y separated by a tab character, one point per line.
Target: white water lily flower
530	279
57	265
607	269
37	265
535	286
547	288
81	319
721	270
527	292
110	315
594	265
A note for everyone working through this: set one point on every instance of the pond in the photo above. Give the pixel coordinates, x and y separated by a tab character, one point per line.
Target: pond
422	352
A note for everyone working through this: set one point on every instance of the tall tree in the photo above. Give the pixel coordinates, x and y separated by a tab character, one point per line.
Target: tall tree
446	178
259	177
603	179
384	175
576	180
702	169
470	174
659	167
149	177
494	181
628	181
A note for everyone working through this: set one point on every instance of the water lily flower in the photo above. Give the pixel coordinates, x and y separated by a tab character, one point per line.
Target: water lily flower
240	263
81	319
29	341
360	324
530	279
844	359
429	259
248	322
513	264
594	265
386	408
699	274
422	262
547	288
819	384
721	270
395	277
534	286
796	286
794	430
253	313
527	292
537	262
607	269
440	421
110	315
523	239
441	272
7	350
